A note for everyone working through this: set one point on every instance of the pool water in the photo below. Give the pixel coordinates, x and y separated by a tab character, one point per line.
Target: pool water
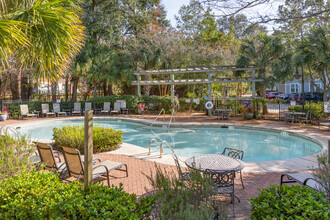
257	145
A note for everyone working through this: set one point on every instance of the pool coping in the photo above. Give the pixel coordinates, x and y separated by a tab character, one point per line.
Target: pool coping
290	165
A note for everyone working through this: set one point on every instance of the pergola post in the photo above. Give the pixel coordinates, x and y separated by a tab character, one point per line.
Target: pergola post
172	90
253	84
209	92
88	151
139	84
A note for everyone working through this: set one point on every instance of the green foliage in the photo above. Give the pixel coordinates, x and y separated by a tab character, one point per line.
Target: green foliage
316	109
39	195
185	106
323	173
104	139
15	155
289	202
185	199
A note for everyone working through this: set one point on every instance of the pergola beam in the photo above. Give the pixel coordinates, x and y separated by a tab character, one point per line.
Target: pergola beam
190	81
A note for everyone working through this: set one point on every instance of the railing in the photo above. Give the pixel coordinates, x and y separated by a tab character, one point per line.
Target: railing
6	129
153	140
172	116
160	146
163	110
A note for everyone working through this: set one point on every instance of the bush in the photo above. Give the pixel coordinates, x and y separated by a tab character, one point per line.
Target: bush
104	139
185	199
39	195
289	202
15	155
316	109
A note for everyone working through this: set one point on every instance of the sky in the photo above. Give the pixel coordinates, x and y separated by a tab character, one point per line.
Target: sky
172	8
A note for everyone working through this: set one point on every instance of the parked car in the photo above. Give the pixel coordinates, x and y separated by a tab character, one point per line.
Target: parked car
309	96
272	95
283	96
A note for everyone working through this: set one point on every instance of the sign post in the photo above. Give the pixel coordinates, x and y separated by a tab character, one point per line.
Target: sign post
88	151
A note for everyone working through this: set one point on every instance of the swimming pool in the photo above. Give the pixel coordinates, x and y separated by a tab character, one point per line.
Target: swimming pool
258	145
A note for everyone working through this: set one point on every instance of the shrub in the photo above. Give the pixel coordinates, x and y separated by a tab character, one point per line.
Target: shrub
104	139
39	195
289	202
185	199
323	173
316	109
15	155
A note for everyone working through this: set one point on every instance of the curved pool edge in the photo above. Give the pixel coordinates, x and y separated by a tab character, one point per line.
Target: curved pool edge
290	165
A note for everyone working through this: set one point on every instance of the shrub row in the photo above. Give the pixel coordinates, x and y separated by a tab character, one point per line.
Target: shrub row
41	195
289	202
104	139
316	109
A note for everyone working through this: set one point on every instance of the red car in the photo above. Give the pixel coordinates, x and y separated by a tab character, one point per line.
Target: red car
272	95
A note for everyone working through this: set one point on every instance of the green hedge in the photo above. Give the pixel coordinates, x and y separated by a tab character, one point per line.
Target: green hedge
289	202
104	139
317	109
39	195
186	106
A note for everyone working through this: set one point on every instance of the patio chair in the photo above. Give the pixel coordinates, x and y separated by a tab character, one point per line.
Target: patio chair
224	182
106	108
182	175
57	110
304	118
289	117
24	111
76	109
88	106
306	179
45	110
116	108
75	165
123	108
47	157
237	154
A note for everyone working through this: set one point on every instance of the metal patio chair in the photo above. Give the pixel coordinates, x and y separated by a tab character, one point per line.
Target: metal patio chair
106	108
45	110
75	165
237	154
305	118
224	182
24	111
116	108
57	110
76	109
305	178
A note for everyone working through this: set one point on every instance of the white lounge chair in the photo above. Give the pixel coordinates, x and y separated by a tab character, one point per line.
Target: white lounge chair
57	110
88	106
45	110
76	109
116	108
24	111
106	108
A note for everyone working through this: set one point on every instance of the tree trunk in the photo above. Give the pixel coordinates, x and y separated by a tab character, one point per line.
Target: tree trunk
74	89
95	89
263	92
14	85
105	92
24	87
146	89
224	94
109	92
54	87
66	87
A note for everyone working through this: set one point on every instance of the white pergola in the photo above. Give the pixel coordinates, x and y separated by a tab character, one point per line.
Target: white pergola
212	78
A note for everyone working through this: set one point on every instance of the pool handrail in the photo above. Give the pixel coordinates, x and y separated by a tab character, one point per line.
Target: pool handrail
5	129
163	110
161	148
152	140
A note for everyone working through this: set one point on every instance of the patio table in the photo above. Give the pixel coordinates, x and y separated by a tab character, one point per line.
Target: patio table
296	114
217	162
222	112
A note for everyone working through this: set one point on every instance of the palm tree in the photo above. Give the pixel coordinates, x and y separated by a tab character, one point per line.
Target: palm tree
263	51
53	30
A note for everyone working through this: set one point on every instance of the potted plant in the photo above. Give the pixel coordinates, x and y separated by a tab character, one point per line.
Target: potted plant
141	107
3	116
247	112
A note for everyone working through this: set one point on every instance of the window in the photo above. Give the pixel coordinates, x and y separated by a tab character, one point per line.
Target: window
294	87
317	87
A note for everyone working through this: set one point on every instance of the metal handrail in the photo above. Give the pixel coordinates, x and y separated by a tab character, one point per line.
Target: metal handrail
153	139
163	110
172	116
5	129
161	148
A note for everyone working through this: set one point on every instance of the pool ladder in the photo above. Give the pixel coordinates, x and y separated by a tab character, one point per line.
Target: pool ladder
160	146
7	129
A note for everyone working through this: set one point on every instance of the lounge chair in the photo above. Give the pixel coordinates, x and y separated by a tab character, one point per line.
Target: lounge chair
88	106
106	108
57	110
123	108
224	182
24	111
116	108
306	179
76	109
45	110
237	154
75	165
305	117
289	117
47	157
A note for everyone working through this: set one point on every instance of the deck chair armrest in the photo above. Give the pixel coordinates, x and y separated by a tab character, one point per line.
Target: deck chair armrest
101	165
95	160
311	178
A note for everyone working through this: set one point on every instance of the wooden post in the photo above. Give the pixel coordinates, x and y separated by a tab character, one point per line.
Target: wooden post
253	84
88	155
172	90
328	151
209	92
139	84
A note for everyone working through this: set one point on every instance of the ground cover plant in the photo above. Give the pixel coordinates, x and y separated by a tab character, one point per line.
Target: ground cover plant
289	202
104	139
39	195
15	155
178	198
